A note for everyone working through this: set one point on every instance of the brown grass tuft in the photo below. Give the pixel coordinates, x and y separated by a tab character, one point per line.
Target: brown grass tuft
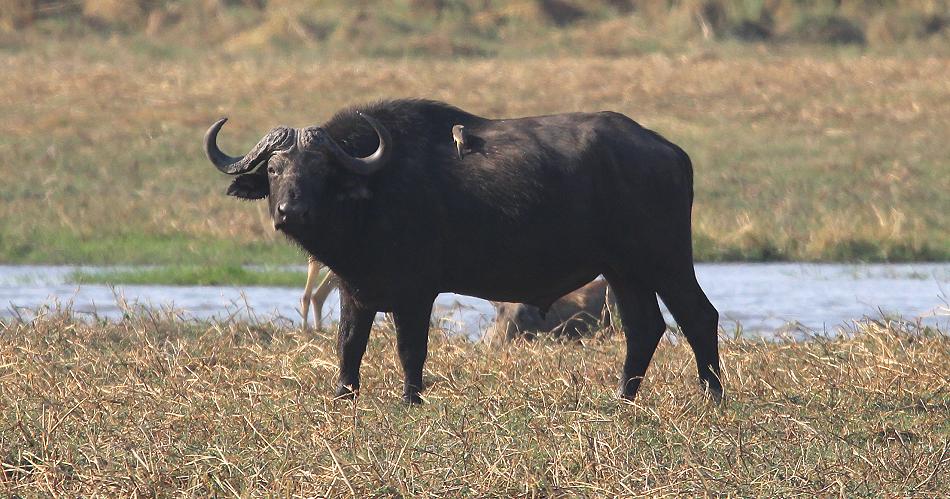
15	14
119	13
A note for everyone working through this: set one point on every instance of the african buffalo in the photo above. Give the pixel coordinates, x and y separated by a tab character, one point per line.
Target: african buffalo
535	208
571	316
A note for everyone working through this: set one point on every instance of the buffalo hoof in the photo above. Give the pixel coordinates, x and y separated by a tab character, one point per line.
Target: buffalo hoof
347	392
628	390
624	395
713	390
412	398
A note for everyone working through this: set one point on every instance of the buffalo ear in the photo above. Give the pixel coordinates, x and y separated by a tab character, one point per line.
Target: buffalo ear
249	186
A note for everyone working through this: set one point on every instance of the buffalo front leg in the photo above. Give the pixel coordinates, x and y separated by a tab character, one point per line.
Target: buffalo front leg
355	324
643	326
412	340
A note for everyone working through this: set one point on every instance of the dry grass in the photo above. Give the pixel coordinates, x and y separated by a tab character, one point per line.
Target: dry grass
153	405
796	156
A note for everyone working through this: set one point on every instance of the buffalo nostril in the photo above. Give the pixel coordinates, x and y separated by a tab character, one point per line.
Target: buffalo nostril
280	216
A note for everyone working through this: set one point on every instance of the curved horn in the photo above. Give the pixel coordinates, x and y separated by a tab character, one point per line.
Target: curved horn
372	163
236	165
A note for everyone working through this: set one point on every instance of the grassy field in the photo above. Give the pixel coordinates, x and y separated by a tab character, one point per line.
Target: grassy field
818	129
829	157
153	403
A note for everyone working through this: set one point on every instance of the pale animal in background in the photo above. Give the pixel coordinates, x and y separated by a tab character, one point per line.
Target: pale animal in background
572	316
318	297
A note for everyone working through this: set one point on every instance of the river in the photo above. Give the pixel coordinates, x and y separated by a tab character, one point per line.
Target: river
765	299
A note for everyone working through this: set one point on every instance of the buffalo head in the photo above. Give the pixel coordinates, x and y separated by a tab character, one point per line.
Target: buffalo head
296	168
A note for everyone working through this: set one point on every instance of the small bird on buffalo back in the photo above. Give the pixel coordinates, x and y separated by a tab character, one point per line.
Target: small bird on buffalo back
458	134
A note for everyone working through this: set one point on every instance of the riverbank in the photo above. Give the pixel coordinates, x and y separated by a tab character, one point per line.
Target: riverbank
193	275
757	299
153	403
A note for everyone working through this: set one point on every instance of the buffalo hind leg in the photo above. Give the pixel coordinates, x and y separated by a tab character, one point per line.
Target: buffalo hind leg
355	324
412	341
699	321
643	326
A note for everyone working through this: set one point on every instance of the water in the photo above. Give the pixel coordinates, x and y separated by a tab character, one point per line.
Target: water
763	298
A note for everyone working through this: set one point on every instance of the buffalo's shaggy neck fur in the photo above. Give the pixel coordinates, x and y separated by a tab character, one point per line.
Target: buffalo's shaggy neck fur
359	219
533	209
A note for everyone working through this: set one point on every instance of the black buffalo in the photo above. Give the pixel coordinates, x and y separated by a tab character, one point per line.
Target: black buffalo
533	209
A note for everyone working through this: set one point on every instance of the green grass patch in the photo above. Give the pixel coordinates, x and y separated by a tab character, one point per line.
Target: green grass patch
47	246
194	275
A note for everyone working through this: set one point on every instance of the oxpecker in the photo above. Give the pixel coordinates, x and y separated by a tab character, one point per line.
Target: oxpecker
458	134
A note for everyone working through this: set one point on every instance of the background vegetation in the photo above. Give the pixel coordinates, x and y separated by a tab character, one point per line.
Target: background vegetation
154	404
483	27
808	144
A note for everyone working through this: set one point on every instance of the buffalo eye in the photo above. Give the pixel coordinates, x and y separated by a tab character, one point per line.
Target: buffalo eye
271	169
